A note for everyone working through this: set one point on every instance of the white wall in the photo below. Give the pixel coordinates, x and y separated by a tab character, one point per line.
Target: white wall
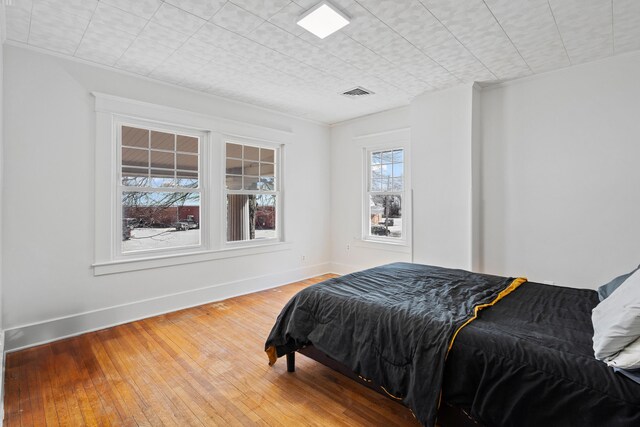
535	177
560	174
48	210
1	219
346	193
442	159
442	156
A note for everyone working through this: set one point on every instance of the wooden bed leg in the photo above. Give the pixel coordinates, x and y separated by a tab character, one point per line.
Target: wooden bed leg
291	361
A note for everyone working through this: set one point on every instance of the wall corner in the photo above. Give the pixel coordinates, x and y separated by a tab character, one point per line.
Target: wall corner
476	178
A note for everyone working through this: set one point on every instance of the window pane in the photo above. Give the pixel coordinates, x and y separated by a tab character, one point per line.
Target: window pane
135	171
187	162
251	153
234	182
188	144
187	175
162	178
251	168
161	182
162	140
267	183
385	184
135	157
131	173
398	170
251	217
187	179
162	159
250	182
162	173
134	137
187	182
267	155
397	184
234	166
267	169
376	185
376	159
386	156
398	156
385	170
234	150
136	178
385	213
159	220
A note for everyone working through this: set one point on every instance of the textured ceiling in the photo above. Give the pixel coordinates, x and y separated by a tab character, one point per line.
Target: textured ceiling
253	51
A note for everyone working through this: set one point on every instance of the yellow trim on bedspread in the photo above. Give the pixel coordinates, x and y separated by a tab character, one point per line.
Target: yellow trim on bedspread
273	355
506	291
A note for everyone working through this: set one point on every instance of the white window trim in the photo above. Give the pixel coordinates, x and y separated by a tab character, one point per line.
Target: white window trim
109	110
394	139
136	264
279	148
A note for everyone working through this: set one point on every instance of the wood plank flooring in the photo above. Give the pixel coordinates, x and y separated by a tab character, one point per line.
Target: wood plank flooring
203	366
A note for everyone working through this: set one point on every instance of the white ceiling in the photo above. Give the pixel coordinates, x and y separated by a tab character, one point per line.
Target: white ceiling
253	51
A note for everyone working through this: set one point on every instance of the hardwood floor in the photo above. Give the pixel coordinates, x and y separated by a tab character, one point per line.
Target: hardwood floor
201	366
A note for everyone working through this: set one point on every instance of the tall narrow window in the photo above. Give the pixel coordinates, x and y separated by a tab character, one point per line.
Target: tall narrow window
160	189
252	192
385	193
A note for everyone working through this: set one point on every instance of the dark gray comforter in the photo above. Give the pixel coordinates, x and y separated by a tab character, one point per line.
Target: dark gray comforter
529	362
391	324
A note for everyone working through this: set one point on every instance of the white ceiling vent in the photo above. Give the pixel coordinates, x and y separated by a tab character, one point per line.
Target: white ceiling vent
357	92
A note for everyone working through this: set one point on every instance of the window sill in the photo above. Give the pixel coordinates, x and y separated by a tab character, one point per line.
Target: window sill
122	266
381	245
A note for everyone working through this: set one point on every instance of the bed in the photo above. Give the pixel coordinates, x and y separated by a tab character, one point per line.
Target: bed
525	359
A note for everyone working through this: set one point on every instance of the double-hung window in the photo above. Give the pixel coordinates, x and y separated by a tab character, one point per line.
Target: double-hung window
160	188
252	192
385	195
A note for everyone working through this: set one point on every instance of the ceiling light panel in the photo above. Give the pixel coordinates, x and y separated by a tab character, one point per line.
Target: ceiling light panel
323	20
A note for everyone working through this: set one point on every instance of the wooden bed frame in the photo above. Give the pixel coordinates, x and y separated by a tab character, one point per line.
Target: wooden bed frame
448	415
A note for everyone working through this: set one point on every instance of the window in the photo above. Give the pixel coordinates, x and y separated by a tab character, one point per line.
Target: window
159	189
385	194
252	192
165	195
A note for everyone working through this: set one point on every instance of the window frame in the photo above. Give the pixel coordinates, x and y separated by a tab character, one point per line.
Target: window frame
203	186
386	141
278	148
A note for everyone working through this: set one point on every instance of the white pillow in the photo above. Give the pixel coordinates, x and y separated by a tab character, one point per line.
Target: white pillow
628	358
616	320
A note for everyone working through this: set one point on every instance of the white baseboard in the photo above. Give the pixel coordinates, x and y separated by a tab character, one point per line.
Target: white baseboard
3	355
54	329
338	268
